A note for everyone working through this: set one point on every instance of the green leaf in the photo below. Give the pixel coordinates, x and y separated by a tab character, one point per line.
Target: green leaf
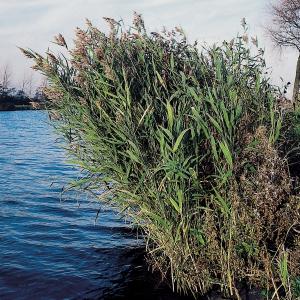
175	205
183	77
180	197
222	203
225	116
159	220
198	235
134	146
211	100
160	80
201	122
170	113
215	123
277	129
238	112
179	139
132	156
227	153
193	93
224	177
167	132
283	267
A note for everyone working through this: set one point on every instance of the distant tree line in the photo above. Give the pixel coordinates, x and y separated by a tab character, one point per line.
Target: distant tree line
12	98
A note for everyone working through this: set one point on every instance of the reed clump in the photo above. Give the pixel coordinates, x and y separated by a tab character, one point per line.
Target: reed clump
188	143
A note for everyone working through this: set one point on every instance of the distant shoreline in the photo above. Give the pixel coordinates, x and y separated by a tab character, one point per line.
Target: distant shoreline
15	107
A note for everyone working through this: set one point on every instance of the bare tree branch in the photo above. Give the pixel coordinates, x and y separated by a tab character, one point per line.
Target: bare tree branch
285	27
285	32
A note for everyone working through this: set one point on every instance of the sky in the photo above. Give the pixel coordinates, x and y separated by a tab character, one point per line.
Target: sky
34	23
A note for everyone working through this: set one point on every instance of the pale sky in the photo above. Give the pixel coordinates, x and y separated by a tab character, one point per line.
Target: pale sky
33	23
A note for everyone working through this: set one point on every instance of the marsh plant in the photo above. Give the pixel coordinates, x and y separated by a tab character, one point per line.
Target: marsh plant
187	143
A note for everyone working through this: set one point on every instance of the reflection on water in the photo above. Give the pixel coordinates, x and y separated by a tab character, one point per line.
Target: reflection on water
51	249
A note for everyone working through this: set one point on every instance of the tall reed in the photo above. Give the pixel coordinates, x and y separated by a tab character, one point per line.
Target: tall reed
185	141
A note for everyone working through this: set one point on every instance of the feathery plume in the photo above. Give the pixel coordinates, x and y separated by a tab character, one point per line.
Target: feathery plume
60	40
27	53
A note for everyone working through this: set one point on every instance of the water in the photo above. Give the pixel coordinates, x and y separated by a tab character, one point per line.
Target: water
52	249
